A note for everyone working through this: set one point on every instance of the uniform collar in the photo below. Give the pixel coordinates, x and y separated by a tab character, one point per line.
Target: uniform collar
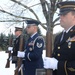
33	34
67	30
17	36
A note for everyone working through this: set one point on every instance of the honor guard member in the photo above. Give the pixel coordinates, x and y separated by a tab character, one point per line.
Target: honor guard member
18	32
33	49
63	60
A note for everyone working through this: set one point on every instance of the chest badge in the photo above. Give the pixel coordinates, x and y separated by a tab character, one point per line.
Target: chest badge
31	43
69	41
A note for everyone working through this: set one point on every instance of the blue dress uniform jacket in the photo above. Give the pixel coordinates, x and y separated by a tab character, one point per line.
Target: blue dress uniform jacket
64	52
33	54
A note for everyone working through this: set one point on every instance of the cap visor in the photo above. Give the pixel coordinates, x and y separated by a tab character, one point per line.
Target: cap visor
63	13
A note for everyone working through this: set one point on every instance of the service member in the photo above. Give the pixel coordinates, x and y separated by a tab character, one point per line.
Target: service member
33	49
63	60
18	32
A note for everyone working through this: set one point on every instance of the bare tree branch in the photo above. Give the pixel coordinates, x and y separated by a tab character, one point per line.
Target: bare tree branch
26	8
12	20
56	20
43	3
13	14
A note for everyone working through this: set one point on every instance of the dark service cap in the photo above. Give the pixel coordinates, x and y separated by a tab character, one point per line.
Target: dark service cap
66	7
18	29
31	22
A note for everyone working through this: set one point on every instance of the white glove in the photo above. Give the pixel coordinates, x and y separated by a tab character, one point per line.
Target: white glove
10	48
10	58
50	63
21	54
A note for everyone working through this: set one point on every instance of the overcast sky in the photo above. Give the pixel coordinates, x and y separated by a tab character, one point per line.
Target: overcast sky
3	29
3	5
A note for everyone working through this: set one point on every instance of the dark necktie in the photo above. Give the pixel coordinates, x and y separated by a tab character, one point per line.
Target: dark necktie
63	36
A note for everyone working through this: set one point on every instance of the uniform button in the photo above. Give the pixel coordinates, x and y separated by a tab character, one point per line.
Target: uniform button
58	47
58	54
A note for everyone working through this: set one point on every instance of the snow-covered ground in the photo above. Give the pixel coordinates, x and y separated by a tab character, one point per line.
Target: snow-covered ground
3	60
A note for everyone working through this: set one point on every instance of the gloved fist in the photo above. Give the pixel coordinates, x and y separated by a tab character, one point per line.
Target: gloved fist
10	58
10	48
50	63
21	54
